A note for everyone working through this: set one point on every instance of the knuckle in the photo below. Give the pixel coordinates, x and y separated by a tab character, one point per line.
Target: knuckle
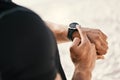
105	52
93	45
102	52
86	43
107	47
98	45
97	37
84	33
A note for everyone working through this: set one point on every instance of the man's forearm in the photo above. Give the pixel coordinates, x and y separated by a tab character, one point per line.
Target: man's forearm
82	75
60	32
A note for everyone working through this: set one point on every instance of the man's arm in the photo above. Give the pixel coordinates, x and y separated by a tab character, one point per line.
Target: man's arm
95	36
60	31
83	55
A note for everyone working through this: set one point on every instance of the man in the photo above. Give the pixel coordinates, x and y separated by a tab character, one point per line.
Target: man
30	49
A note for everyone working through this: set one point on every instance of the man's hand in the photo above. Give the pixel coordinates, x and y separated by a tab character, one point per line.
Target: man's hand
83	55
97	37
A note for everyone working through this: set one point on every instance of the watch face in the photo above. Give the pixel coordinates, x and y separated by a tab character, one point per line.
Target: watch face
73	25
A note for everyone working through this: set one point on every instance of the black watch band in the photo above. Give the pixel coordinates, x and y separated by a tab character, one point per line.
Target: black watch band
71	30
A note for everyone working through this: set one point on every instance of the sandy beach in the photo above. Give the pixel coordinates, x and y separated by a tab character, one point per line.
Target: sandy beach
101	14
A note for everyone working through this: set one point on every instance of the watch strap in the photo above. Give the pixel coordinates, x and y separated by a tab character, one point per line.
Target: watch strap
70	33
71	30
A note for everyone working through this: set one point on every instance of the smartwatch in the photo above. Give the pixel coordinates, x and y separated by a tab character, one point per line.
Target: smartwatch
71	30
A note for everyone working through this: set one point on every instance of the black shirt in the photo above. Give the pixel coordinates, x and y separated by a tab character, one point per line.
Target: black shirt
29	48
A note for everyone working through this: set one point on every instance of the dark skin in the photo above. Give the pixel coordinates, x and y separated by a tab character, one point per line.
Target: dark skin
88	46
83	55
98	38
95	36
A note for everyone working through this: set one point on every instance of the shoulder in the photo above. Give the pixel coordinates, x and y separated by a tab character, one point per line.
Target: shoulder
18	11
20	15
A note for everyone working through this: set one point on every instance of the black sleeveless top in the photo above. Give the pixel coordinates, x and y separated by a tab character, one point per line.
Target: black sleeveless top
29	50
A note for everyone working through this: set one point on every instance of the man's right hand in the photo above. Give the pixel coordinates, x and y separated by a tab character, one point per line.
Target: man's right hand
83	55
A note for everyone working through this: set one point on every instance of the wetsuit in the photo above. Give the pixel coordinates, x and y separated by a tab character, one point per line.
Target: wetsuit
29	50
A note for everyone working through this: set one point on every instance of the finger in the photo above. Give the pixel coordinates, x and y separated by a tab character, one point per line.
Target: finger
73	47
103	35
100	57
76	41
104	47
93	53
82	34
101	46
100	43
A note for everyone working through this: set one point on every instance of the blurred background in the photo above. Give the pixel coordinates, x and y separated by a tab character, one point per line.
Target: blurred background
101	14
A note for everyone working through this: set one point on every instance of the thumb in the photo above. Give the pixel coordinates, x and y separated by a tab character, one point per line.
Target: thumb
76	41
75	44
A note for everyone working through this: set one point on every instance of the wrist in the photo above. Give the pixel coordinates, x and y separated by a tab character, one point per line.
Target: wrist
62	32
82	73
